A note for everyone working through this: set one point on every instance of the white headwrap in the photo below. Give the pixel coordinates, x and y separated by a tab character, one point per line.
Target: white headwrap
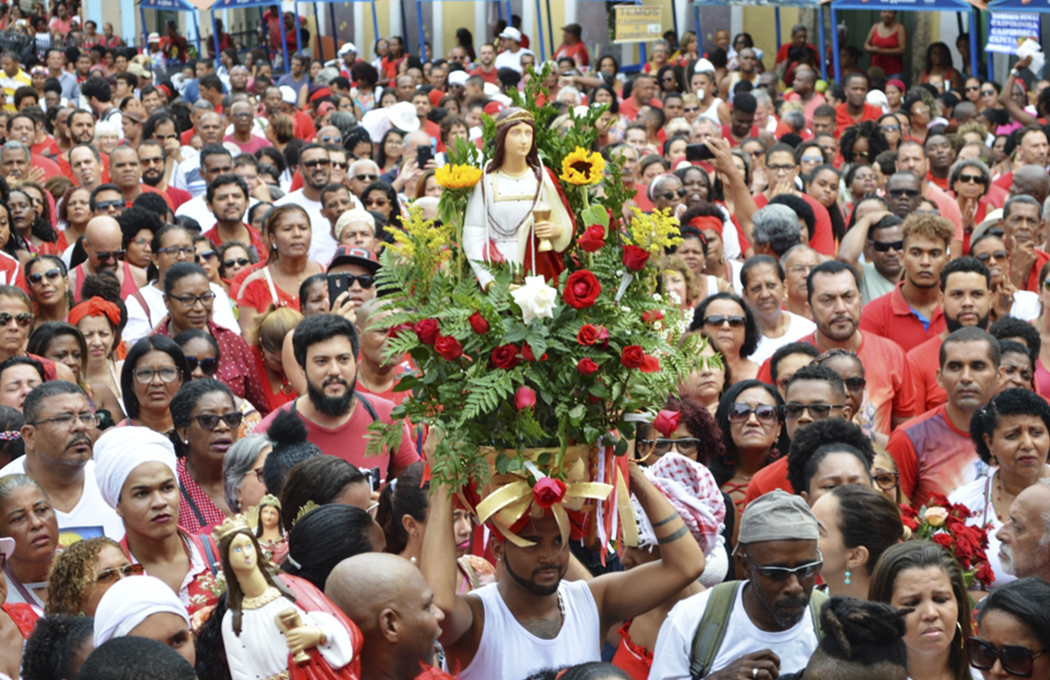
129	602
122	449
694	493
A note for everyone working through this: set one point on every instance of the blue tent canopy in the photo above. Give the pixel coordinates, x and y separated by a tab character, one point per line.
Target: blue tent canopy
1019	6
173	6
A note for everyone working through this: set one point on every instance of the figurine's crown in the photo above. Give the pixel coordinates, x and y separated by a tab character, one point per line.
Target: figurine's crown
521	116
228	526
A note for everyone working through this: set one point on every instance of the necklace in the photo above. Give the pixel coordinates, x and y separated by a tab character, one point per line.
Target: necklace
268	596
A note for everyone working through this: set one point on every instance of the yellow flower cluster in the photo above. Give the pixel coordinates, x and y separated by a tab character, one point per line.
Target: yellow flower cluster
457	176
655	231
422	243
582	167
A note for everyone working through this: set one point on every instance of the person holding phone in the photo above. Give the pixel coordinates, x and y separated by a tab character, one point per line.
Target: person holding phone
352	271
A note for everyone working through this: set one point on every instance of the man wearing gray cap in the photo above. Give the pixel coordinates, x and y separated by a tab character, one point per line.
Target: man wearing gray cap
763	625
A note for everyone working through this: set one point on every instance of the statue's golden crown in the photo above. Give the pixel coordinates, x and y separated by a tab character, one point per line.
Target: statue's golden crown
521	116
230	525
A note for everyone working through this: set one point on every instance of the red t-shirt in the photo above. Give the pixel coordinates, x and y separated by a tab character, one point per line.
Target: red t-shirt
256	241
256	293
843	120
933	455
629	109
1032	283
772	476
892	317
1004	181
489	77
924	360
577	52
49	145
178	196
822	239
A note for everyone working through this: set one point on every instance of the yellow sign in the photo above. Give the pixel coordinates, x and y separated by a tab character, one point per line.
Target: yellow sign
636	23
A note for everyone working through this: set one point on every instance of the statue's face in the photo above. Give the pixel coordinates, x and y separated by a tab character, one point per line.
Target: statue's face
242	553
519	140
270	517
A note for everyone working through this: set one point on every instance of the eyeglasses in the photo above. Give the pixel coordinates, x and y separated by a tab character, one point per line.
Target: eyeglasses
23	319
366	177
240	262
259	473
245	114
972	88
328	139
209	365
886	246
206	255
794	411
887	481
812	159
910	193
755	154
971	179
691	109
144	376
189	301
141	241
855	384
89	419
209	421
36	277
998	255
669	195
1015	659
113	574
317	161
366	280
988	93
377	202
105	206
717	320
780	168
890	128
342	166
740	412
687	446
107	255
175	251
802	573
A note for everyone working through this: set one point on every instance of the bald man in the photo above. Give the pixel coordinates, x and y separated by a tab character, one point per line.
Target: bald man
102	243
390	601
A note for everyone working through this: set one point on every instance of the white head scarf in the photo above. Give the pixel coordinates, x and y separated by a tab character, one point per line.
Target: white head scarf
122	449
129	602
694	493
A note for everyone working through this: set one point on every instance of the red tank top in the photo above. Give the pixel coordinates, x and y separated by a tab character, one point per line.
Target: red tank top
890	64
127	289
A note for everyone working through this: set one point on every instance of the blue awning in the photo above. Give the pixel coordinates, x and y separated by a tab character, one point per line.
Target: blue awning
1019	6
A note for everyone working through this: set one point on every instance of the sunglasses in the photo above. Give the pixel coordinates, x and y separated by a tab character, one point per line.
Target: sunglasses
175	251
51	274
341	166
669	195
998	255
106	205
209	365
971	179
1015	659
887	481
366	177
328	139
239	262
973	88
691	109
113	574
686	446
812	159
891	128
717	320
209	421
366	280
377	202
144	376
318	161
988	93
855	384
206	255
23	319
803	572
107	255
886	246
817	411
910	193
740	412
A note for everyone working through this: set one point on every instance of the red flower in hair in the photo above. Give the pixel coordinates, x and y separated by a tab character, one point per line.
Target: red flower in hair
548	491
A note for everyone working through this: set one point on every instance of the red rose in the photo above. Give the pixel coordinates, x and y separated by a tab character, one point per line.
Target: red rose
593	239
581	289
400	328
985	574
908	511
427	331
943	539
586	366
448	347
652	316
505	357
650	364
603	337
968	541
634	258
910	523
588	334
524	398
478	323
937	498
667	422
632	356
548	491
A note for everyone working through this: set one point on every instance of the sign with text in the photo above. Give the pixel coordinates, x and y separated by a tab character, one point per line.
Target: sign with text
1006	31
637	23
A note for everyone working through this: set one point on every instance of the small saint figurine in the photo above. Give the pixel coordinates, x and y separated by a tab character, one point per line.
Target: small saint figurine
279	626
268	529
517	213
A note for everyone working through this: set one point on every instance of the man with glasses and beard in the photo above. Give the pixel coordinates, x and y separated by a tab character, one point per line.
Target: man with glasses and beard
326	347
769	617
103	242
154	162
967	300
59	435
315	165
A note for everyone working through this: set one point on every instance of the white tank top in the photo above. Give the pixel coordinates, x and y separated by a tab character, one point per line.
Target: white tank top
509	652
711	112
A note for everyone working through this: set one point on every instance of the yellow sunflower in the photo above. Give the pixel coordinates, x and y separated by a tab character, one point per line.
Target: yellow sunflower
582	167
457	176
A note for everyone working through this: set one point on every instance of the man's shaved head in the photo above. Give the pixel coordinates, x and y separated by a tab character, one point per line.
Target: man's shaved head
102	230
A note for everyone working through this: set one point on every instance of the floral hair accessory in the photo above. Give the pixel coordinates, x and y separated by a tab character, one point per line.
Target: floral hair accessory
10	436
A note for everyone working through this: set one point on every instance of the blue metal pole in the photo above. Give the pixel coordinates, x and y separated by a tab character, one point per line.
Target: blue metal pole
499	11
539	30
197	30
298	32
973	40
284	40
145	31
776	13
375	21
550	28
835	43
335	31
422	33
641	53
699	33
215	39
821	37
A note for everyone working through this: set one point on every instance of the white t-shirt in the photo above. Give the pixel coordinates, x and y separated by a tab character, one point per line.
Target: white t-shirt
140	325
674	644
510	59
90	518
198	209
1026	306
799	328
322	244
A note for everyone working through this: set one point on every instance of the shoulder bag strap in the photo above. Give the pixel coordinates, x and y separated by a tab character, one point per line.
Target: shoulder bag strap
711	630
193	506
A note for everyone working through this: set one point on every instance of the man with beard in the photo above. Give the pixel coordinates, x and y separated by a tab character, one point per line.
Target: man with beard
966	300
934	451
125	169
762	278
315	166
59	435
336	417
769	618
878	236
911	313
154	162
228	200
82	132
486	69
941	155
238	80
103	242
855	109
214	160
1024	540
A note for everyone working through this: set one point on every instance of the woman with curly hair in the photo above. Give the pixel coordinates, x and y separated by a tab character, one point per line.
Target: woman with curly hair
679	282
922	109
83	572
31	220
862	142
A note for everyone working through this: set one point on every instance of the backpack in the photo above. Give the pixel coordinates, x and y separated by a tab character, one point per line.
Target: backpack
711	630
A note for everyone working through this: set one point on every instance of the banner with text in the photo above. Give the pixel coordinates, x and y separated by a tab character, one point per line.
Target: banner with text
637	23
1007	31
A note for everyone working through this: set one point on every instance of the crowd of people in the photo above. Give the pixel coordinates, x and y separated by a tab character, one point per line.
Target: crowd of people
185	404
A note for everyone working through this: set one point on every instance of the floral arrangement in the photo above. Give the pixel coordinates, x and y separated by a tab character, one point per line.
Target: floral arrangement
534	364
944	523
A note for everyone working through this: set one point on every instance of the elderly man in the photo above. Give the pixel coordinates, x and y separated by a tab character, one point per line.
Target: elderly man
1024	548
1022	231
14	161
775	230
103	245
1032	149
59	434
243	116
362	172
762	279
797	263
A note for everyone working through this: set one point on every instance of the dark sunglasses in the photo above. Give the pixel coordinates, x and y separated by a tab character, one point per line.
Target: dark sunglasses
686	446
328	139
377	202
669	195
1015	659
366	280
106	205
988	93
910	193
717	320
366	178
973	88
206	255
855	384
209	365
998	254
113	574
818	411
317	161
803	572
240	262
37	277
886	246
107	255
891	128
23	319
209	421
971	179
740	412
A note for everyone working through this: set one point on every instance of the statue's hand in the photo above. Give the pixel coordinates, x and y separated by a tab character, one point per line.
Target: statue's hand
303	638
548	230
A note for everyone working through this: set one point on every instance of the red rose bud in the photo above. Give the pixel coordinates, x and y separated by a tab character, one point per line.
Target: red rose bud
593	239
667	422
581	289
548	491
478	323
943	540
588	334
632	356
652	316
634	258
650	364
448	347
427	331
586	366
985	574
505	357
524	398
400	328
603	337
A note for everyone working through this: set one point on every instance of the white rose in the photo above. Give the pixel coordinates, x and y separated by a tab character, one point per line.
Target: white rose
536	299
